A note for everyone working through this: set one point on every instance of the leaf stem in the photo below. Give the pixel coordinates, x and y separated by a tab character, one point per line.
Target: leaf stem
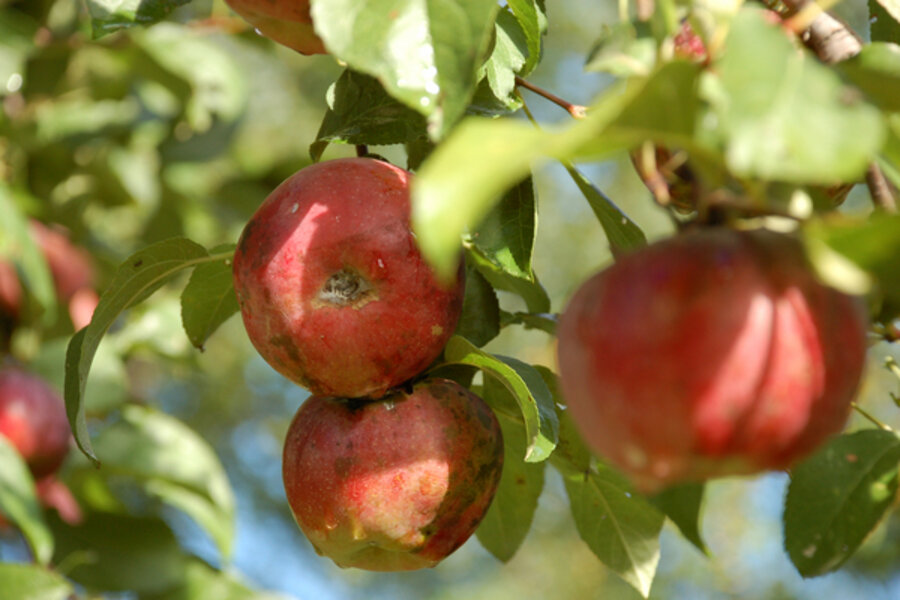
870	416
880	189
576	110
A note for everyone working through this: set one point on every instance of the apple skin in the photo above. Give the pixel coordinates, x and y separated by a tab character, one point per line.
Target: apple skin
33	419
333	290
287	22
709	354
395	484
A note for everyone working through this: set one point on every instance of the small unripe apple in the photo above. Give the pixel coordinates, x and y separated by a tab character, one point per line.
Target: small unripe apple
333	291
33	419
287	22
394	484
712	353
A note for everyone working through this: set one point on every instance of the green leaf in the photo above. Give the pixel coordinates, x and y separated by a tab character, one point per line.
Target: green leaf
621	52
506	60
773	96
426	53
480	319
876	71
19	502
621	232
174	464
509	517
109	16
837	497
31	582
202	582
532	19
137	278
683	503
872	244
545	322
360	111
113	552
527	387
18	245
208	299
884	19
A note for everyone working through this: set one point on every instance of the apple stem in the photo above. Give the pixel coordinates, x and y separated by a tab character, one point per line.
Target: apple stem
870	416
576	110
362	150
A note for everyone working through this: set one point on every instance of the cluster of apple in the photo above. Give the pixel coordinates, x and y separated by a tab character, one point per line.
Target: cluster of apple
381	471
32	413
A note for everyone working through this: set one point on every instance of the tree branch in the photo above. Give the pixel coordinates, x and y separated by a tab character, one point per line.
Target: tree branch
576	110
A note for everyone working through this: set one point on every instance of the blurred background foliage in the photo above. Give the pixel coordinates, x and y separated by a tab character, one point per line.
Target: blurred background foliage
182	129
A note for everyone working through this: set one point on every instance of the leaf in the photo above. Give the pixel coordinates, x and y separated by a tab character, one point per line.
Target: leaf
360	111
17	244
876	71
509	517
837	497
683	503
618	524
19	502
884	20
545	322
208	300
773	96
621	232
115	552
621	52
506	60
532	19
426	53
502	246
479	322
31	582
202	582
174	464
525	384
109	16
138	277
872	244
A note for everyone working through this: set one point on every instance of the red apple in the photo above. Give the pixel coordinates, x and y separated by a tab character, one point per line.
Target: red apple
712	353
394	484
333	290
288	22
33	419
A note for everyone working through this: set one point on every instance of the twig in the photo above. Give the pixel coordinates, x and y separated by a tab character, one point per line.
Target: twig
870	417
576	110
880	189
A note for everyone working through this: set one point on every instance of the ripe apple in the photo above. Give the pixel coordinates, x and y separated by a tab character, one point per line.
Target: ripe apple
33	419
712	353
333	290
288	22
394	484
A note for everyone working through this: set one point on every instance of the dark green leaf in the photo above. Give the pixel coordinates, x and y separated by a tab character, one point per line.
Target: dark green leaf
360	111
773	96
480	319
621	232
885	20
545	322
19	503
31	582
425	52
532	19
876	71
508	520
837	497
208	299
137	278
173	463
108	16
525	384
683	503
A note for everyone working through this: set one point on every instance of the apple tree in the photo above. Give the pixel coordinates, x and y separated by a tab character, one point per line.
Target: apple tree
717	186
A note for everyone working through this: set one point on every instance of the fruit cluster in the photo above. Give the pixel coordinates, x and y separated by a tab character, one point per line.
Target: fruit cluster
381	473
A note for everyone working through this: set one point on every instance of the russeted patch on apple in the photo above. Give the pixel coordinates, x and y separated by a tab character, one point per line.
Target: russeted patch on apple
333	291
713	353
392	484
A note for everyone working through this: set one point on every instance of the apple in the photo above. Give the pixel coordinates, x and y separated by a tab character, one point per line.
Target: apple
287	22
394	484
333	291
33	419
712	353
